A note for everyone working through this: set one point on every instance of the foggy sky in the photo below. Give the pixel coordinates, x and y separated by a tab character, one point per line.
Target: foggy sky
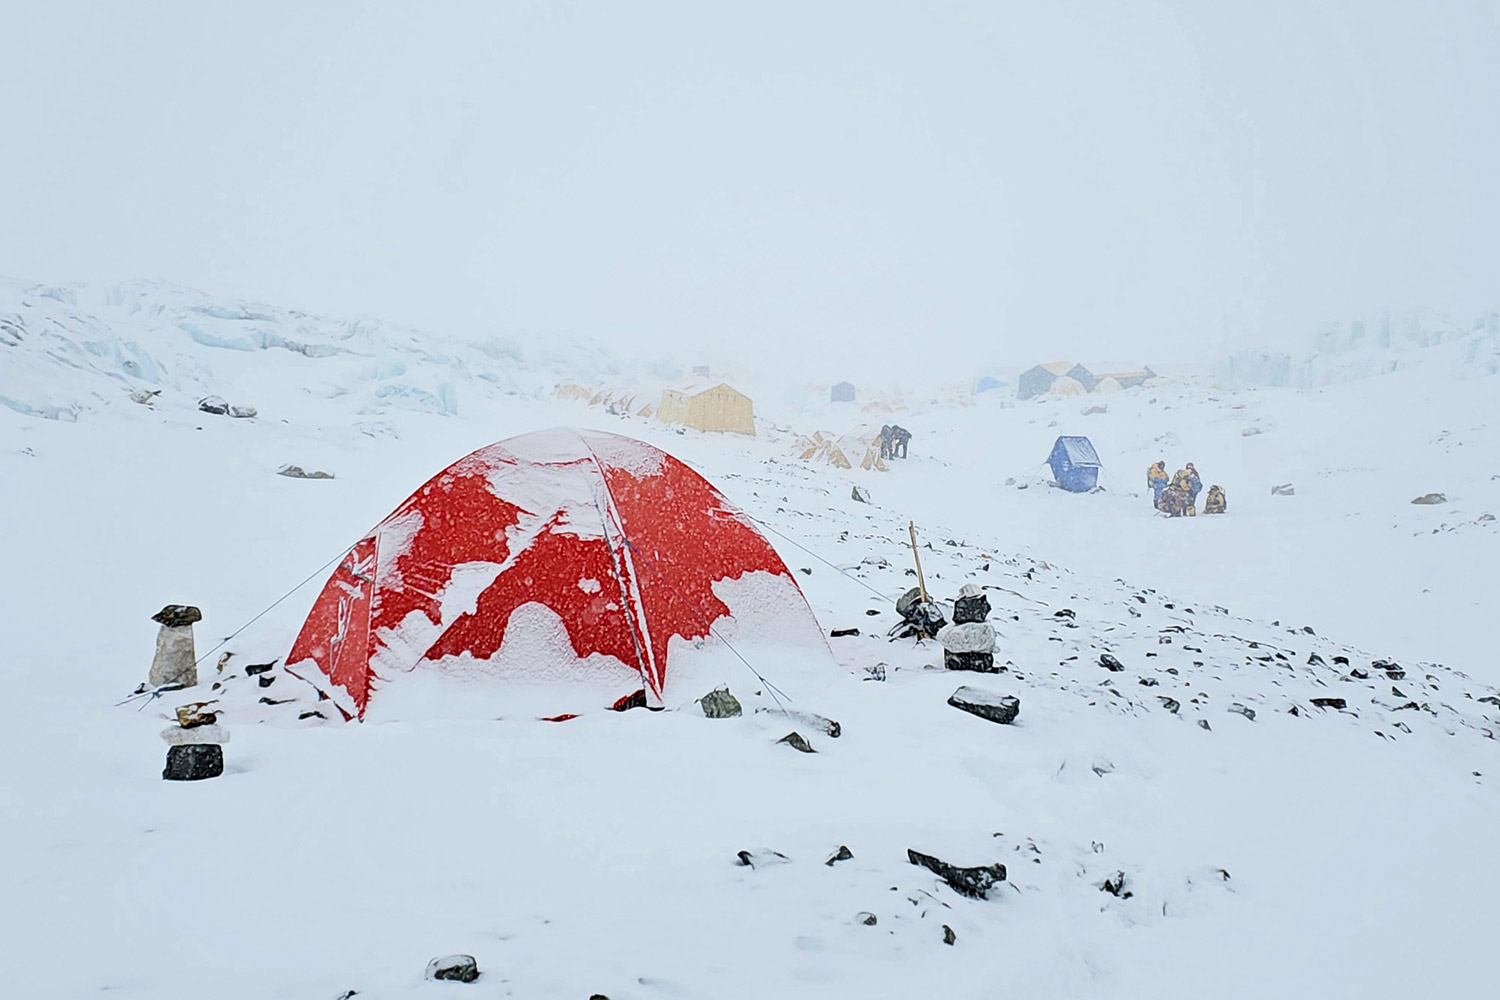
1018	181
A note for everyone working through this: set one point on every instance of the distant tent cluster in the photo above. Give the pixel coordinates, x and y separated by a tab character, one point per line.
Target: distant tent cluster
701	406
1064	378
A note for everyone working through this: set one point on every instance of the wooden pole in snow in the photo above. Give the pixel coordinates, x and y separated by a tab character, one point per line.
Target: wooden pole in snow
911	527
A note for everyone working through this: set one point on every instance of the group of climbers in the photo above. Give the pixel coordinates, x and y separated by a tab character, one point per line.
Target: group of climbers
1177	495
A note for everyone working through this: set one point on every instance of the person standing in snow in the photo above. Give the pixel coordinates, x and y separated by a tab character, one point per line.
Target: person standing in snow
1156	478
901	438
1214	502
885	441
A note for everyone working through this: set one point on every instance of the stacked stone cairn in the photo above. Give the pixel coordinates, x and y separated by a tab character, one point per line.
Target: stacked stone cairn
175	664
195	746
969	643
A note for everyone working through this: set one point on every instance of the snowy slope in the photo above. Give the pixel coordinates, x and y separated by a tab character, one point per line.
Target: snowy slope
1313	852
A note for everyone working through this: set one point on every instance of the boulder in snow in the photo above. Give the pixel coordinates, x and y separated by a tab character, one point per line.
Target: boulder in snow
763	858
1108	662
972	882
193	761
863	496
1284	490
796	741
970	606
456	968
243	411
866	918
842	854
297	472
1430	499
720	704
1328	702
177	615
1001	708
948	936
214	405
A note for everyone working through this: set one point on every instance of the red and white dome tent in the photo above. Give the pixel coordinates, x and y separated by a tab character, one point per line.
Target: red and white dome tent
553	571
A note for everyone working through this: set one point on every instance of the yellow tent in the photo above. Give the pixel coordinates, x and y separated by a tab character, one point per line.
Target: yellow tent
572	390
718	408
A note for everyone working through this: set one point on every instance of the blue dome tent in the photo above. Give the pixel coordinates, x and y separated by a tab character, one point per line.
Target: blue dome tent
1075	464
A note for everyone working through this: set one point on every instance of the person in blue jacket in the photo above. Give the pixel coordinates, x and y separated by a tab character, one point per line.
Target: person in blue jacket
1156	478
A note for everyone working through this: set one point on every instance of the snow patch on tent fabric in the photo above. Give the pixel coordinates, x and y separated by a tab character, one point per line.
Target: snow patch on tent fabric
635	457
400	649
535	672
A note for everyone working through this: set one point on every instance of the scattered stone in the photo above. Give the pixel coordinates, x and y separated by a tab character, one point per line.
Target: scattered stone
842	854
796	742
1115	886
1089	411
259	668
1064	613
839	633
266	680
297	472
214	405
1284	490
865	917
1251	432
1491	700
1108	662
720	704
1203	724
948	936
1392	670
266	700
144	395
875	673
311	713
454	968
1342	661
1314	660
1430	498
862	496
1244	710
763	858
811	720
1149	682
1170	704
1329	702
243	412
193	761
1001	708
972	882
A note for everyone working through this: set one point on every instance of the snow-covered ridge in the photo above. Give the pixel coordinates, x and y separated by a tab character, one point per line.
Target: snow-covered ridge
67	350
1373	345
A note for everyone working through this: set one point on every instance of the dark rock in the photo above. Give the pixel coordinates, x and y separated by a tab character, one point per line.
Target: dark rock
796	742
1244	710
1108	662
875	673
194	761
1342	661
842	854
971	608
312	713
720	704
1149	682
1392	670
214	405
1115	886
266	680
1001	708
839	633
454	968
1358	674
1491	700
297	472
1203	724
1314	660
177	615
275	701
1329	702
763	858
865	917
983	663
1170	704
871	612
259	668
972	882
948	936
862	496
1064	613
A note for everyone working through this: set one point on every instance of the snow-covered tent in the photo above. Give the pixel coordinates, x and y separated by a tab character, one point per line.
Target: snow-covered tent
1066	385
713	408
1125	373
842	393
985	383
1039	379
582	560
1075	464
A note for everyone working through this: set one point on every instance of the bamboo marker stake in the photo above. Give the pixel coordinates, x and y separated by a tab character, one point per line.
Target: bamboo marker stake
911	527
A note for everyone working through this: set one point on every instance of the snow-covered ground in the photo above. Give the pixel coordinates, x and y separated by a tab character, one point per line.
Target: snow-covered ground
1305	852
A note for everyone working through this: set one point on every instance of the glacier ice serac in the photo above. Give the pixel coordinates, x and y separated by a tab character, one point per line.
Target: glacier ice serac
1374	345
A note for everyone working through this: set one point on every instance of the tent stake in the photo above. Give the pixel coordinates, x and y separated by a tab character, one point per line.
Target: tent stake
911	527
